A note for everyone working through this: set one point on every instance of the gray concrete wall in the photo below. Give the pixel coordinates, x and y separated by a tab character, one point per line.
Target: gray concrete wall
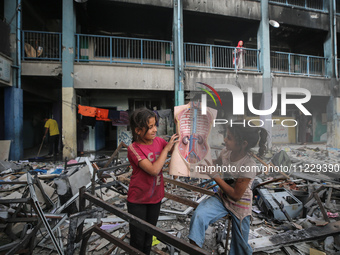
244	80
317	86
89	76
41	68
248	10
100	76
299	17
235	8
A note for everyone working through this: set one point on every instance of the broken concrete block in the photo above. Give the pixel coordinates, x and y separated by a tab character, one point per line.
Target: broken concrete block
48	191
13	195
329	244
5	165
18	228
80	179
177	226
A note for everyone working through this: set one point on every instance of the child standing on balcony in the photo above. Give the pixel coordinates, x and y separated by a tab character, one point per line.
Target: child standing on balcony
147	155
238	57
234	196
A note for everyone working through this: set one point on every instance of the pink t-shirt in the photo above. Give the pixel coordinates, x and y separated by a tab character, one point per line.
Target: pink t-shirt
145	188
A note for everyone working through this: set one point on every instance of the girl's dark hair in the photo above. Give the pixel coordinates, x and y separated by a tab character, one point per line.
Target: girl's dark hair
251	134
140	119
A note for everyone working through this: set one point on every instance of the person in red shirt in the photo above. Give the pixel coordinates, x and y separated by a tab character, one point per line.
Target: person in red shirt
147	155
238	59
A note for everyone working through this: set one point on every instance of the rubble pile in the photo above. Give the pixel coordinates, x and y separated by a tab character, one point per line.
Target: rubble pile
79	206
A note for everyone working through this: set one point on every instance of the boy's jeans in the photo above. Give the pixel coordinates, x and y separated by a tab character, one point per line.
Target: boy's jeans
211	210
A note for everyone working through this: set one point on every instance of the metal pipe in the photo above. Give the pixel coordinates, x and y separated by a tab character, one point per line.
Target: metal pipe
335	41
19	43
178	50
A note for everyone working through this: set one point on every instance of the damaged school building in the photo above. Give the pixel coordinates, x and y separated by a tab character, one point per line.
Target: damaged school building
117	56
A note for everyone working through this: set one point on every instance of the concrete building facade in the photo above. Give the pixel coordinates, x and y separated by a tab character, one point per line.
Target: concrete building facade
125	54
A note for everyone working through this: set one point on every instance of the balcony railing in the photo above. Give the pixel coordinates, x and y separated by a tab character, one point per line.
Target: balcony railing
306	4
220	57
112	49
41	46
46	46
297	64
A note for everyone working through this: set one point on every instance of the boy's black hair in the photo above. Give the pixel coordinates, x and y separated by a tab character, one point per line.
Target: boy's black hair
251	134
140	119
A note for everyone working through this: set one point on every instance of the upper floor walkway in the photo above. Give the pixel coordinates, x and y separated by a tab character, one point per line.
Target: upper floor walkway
46	46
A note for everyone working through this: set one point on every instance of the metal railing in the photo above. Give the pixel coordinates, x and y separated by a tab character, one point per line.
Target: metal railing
96	48
318	5
41	46
220	57
46	46
297	64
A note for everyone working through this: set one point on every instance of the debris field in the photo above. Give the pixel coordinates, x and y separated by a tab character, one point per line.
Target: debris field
79	206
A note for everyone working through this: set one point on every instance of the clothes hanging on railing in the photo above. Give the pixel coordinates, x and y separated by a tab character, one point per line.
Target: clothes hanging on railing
114	115
157	123
167	113
102	114
91	114
87	111
89	121
123	119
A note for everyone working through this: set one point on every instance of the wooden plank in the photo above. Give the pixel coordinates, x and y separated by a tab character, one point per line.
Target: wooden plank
188	186
323	211
293	237
122	144
316	252
147	227
181	200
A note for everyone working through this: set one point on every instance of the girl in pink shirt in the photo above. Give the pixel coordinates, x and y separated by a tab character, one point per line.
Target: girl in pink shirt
146	155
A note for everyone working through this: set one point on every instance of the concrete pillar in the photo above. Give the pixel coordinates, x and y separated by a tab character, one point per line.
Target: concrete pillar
329	44
14	121
264	46
333	107
69	123
13	103
69	108
333	122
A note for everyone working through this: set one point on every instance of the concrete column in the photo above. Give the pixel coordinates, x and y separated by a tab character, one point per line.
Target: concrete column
333	122
13	103
333	107
177	31
330	42
69	108
264	46
14	121
69	123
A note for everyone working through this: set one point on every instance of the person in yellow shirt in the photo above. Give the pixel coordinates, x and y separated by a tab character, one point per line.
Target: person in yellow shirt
51	125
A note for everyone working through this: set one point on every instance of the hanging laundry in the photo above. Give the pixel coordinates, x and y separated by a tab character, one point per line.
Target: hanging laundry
166	114
102	114
114	115
89	121
87	111
123	119
157	123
